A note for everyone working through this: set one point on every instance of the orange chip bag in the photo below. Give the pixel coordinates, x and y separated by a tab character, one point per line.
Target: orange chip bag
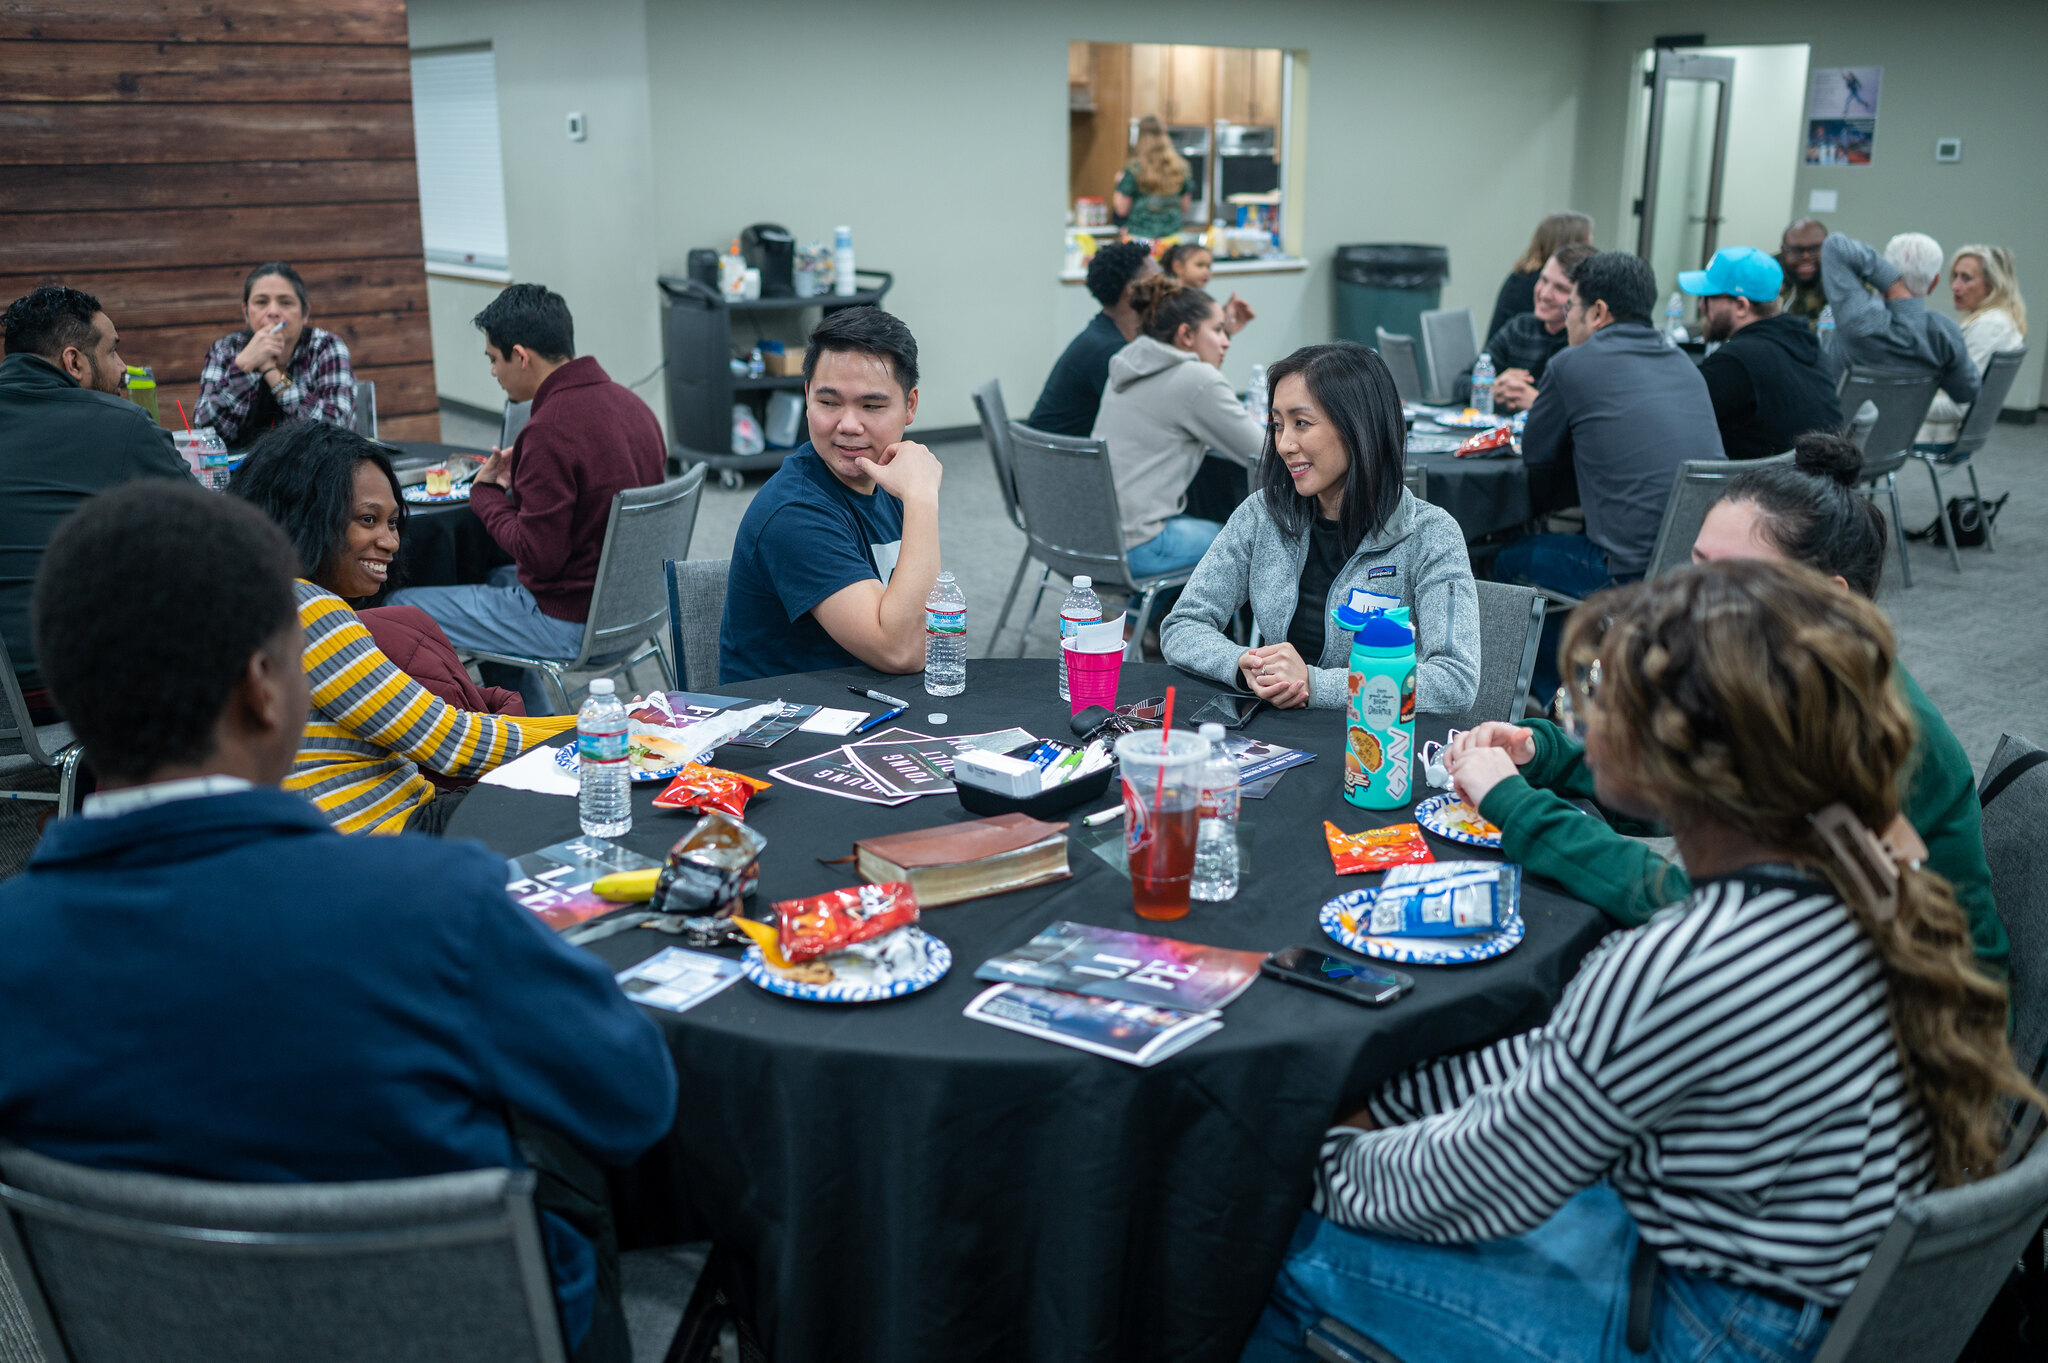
824	923
698	787
1376	848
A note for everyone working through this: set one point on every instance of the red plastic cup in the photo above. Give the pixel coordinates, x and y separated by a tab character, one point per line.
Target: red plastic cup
1091	677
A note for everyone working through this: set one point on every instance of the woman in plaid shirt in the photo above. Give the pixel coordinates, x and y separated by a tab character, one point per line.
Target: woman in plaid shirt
276	369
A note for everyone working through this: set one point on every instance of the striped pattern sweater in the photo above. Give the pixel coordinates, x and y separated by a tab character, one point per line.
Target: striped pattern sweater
1729	1067
373	727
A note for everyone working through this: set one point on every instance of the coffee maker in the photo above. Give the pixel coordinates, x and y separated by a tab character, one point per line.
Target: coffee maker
771	250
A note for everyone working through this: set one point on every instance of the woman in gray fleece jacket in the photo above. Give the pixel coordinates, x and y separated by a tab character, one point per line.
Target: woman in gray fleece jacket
1329	516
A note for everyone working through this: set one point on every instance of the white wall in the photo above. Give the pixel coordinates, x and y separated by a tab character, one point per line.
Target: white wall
939	132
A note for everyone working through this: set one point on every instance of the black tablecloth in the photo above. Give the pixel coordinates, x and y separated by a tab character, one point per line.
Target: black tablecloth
911	1185
1484	496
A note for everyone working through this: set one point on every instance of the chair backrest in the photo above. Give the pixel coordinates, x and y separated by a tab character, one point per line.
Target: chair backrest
1067	496
1940	1263
1510	633
1999	372
20	734
2015	795
696	611
648	526
1449	346
1415	478
1399	353
115	1265
995	432
1902	398
366	408
1860	424
513	422
1694	491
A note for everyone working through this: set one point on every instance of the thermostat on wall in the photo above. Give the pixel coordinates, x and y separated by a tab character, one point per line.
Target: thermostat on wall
1948	148
576	130
1822	200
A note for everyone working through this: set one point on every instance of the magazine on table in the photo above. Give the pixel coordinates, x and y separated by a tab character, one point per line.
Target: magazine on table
1133	966
1135	1033
830	773
676	979
1257	761
894	765
554	883
767	732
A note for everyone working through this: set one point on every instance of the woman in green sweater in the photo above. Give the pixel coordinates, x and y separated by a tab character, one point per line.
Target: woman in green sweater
1519	775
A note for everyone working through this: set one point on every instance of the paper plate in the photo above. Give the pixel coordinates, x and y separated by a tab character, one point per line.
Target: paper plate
1448	816
1482	946
938	960
1472	422
566	757
418	495
1433	444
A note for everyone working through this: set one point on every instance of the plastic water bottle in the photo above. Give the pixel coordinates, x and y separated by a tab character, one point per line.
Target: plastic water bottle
1482	384
842	263
1082	607
1674	319
604	805
1215	874
1256	400
1824	326
945	638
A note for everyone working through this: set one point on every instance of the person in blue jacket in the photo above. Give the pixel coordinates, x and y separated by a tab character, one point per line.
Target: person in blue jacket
199	977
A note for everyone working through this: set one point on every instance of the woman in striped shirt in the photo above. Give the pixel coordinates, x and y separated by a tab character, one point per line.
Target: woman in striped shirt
374	732
1741	1091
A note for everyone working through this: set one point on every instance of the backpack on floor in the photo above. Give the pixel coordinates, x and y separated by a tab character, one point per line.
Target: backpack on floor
1966	518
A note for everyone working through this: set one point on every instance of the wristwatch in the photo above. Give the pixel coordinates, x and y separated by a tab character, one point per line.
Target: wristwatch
282	382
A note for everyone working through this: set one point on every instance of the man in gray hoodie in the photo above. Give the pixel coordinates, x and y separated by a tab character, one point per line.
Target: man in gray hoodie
1891	328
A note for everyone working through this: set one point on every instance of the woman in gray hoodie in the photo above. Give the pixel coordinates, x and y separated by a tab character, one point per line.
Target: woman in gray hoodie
1329	516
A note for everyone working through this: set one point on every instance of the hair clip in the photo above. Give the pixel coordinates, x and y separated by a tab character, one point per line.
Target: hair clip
1865	862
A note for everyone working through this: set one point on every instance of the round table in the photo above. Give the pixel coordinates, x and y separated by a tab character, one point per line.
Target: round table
445	545
1485	495
906	1184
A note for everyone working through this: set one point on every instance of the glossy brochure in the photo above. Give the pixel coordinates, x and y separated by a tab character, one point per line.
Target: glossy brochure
677	980
1135	1033
1136	967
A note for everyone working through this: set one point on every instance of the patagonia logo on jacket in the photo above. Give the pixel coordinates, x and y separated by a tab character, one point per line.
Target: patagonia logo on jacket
1384	570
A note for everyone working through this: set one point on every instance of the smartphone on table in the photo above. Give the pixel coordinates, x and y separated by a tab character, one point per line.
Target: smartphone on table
1360	982
1228	709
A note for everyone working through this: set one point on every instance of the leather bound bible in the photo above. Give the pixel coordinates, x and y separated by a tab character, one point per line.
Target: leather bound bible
957	861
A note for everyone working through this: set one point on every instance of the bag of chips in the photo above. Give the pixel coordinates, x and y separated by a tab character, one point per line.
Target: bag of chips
709	788
715	866
835	920
1376	848
1486	442
1450	899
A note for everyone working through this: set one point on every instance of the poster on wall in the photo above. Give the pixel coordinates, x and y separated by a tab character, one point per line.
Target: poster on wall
1841	115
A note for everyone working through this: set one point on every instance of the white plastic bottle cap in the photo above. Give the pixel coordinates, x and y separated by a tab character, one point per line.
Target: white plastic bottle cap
1083	581
1213	732
601	686
936	717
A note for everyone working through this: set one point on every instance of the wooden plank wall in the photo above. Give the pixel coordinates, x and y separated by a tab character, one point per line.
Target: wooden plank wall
151	151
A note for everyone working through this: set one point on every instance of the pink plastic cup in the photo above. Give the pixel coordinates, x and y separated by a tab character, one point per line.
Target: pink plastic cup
1091	677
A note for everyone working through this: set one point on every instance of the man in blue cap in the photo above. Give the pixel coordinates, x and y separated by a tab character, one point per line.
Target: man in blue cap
1768	380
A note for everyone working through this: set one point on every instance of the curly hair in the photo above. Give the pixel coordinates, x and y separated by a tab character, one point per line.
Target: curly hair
1165	305
1754	694
1159	168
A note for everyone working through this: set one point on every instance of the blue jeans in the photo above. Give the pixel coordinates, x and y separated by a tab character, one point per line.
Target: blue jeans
1571	564
1558	1294
1180	543
501	617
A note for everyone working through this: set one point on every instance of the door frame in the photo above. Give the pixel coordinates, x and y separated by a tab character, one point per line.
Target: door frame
1673	65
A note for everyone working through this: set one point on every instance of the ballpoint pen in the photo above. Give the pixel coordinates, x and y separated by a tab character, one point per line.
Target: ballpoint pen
882	718
877	695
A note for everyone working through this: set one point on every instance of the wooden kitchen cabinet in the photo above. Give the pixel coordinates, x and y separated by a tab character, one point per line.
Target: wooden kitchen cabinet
1191	82
1080	64
1233	84
1149	79
1266	87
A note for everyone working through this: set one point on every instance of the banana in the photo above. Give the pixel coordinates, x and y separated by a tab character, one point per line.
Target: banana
627	887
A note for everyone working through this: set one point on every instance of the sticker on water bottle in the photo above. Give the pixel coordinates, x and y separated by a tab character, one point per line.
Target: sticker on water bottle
945	622
1379	703
601	747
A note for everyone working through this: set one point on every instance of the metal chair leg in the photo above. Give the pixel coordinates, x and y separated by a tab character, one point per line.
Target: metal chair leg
1891	483
67	783
1941	517
1031	616
557	686
1016	581
1134	650
1990	536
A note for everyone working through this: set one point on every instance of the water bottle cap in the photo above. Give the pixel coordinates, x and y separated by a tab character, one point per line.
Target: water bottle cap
1379	631
1212	731
945	577
1083	581
601	686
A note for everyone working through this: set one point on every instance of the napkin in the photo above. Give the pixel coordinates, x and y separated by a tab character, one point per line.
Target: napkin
535	771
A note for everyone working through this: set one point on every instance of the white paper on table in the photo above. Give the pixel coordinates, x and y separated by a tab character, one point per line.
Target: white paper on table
677	980
536	771
838	723
704	737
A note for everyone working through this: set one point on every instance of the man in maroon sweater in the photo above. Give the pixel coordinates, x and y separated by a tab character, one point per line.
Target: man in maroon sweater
547	499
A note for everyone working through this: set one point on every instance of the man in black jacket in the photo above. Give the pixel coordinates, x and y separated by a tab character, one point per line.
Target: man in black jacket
1768	380
66	433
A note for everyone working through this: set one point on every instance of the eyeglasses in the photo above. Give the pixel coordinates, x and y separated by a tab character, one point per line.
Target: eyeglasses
1799	251
1569	716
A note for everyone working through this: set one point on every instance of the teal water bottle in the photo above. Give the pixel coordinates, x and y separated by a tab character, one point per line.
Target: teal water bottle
1379	710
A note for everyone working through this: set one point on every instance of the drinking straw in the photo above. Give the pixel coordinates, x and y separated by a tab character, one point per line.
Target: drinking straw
1159	786
188	425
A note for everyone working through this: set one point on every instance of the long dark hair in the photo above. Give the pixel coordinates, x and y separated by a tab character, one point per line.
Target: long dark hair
303	476
1812	513
1353	387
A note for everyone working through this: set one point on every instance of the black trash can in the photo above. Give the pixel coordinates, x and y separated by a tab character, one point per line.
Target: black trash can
1387	284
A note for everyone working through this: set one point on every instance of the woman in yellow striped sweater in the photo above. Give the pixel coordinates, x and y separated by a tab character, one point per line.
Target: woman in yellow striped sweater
373	728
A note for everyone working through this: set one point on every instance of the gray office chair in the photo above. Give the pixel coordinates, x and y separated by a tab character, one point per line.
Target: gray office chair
696	612
115	1265
1510	633
1999	372
1067	495
995	433
2015	800
1697	486
1902	398
629	603
513	422
1449	346
366	408
1400	355
1415	478
47	745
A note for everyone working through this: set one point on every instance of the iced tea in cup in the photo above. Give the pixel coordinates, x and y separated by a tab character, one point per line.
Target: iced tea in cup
1162	777
440	482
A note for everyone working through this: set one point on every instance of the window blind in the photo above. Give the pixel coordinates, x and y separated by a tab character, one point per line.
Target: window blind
461	166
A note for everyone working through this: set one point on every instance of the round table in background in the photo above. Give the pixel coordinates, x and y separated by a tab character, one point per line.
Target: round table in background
1485	495
444	545
905	1184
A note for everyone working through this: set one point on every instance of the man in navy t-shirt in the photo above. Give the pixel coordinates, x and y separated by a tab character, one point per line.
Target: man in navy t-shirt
837	553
